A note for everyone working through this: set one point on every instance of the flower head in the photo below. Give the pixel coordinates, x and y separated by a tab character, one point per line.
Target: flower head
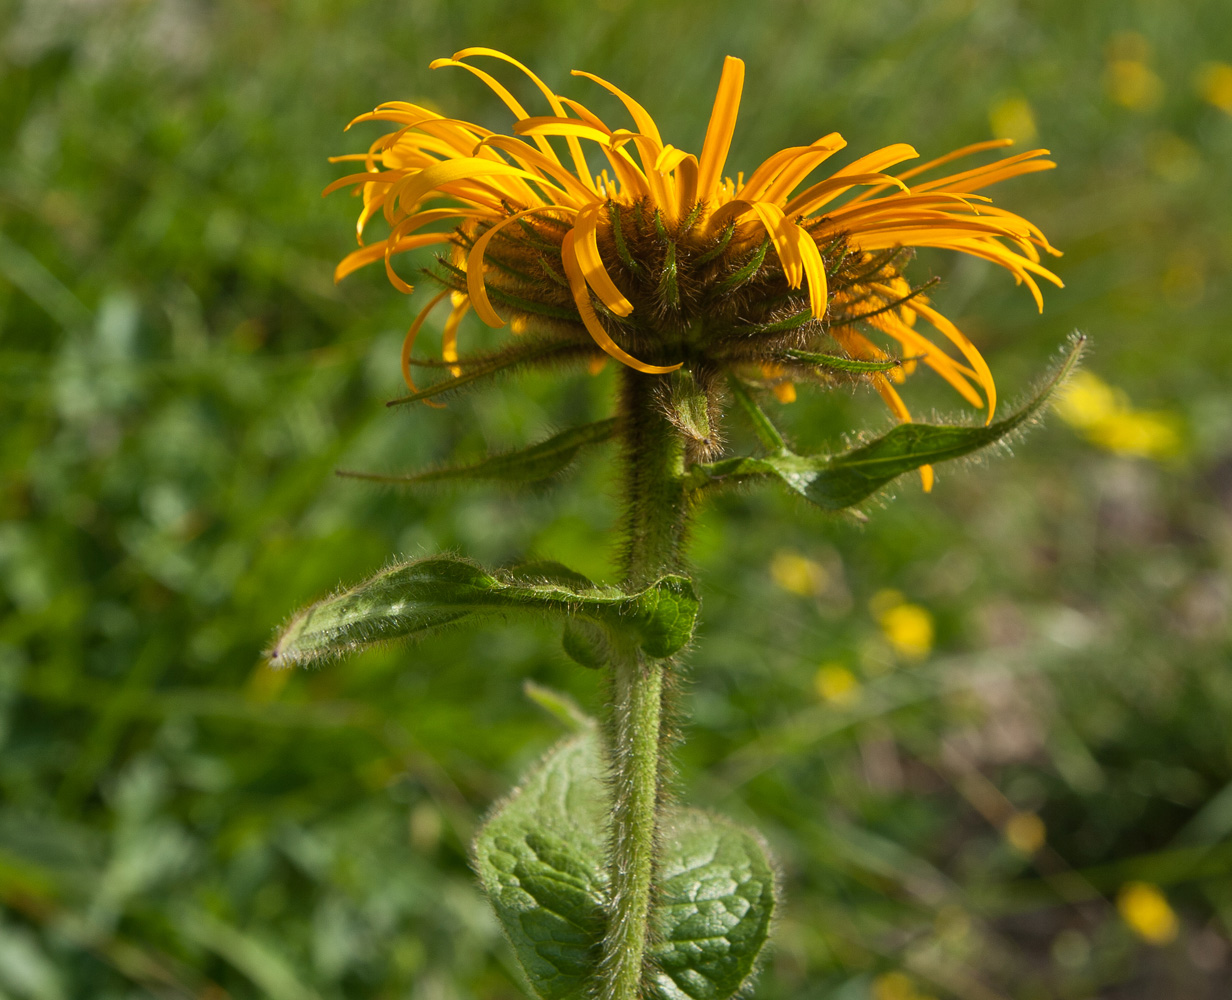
662	260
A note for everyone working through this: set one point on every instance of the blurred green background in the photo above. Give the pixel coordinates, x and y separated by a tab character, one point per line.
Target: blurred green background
988	733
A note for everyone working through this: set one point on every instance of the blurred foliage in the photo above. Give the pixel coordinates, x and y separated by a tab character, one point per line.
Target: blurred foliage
985	733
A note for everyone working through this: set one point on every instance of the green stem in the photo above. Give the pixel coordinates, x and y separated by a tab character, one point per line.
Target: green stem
656	514
635	736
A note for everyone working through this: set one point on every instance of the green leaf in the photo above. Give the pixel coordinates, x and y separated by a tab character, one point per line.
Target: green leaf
715	902
479	368
521	467
842	364
839	481
541	860
416	598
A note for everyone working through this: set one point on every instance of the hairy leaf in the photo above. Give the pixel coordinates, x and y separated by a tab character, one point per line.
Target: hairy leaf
715	902
540	858
838	481
524	466
416	598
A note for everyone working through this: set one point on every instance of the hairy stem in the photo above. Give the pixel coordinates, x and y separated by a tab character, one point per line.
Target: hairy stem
656	515
635	736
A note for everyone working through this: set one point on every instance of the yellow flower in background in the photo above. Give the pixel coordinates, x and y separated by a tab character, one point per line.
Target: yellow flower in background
896	986
798	574
836	684
1133	84
663	256
1214	83
265	682
1026	833
1128	77
1106	418
907	627
1013	118
1145	909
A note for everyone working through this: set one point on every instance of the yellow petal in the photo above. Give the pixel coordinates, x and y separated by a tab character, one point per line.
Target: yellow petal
959	340
451	171
785	245
814	272
799	168
722	125
669	158
686	183
936	359
773	166
530	158
824	192
586	249
369	254
475	286
893	400
449	336
499	89
408	343
879	159
547	125
581	298
575	149
975	147
645	124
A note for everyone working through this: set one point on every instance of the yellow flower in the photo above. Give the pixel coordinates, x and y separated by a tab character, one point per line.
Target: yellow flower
1013	118
1214	82
662	259
1025	832
1148	914
907	627
836	684
896	986
797	574
1106	418
1128	78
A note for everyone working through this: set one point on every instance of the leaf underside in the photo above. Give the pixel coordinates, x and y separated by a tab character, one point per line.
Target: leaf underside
835	482
414	599
541	858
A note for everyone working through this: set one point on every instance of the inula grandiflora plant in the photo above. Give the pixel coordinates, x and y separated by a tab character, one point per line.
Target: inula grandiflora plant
708	288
